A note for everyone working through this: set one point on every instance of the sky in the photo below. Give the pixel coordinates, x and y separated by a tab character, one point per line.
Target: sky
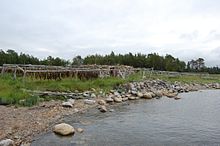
187	29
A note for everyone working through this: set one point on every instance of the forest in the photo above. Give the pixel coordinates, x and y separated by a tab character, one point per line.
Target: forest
152	60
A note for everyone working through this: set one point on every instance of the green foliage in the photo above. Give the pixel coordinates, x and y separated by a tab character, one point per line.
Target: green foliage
153	60
12	57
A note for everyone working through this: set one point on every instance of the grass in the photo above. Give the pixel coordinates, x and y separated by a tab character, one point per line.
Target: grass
11	91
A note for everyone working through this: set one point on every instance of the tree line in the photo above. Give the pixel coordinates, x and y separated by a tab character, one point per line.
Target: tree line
152	60
12	57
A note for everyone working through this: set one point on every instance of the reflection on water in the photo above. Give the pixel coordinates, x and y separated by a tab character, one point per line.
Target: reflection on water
193	120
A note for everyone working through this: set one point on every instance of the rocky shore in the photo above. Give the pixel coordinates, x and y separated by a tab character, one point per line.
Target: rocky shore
20	124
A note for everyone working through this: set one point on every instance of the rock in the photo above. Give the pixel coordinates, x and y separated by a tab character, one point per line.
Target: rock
139	94
217	86
22	101
125	99
7	142
80	130
177	98
93	95
86	94
171	95
134	92
137	97
131	98
101	102
118	99
109	99
76	110
147	95
25	144
152	94
111	110
158	93
67	104
63	129
89	101
72	101
103	109
116	93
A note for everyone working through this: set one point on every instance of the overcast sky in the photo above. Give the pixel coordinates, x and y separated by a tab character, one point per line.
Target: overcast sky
186	29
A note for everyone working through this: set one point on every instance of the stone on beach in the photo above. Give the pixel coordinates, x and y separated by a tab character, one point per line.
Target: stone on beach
103	109
101	102
7	142
118	99
131	98
67	104
109	99
63	129
80	130
89	101
72	101
177	98
147	95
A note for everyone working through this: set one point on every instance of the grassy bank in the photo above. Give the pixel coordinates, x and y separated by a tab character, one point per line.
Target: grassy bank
12	91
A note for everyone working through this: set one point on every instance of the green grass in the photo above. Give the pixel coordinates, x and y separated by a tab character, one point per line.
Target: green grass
187	78
12	91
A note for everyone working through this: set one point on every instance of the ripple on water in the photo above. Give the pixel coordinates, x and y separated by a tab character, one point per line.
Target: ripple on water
192	120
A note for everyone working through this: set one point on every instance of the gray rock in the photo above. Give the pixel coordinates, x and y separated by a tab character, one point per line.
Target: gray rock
93	95
7	142
134	92
72	101
89	101
111	110
86	94
67	104
63	129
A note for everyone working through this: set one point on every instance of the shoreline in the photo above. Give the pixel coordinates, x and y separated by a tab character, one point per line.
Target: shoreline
22	124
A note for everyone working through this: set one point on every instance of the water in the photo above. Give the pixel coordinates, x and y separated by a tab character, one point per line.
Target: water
192	120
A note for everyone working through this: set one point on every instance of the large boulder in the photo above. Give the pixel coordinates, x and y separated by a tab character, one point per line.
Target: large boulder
63	129
7	142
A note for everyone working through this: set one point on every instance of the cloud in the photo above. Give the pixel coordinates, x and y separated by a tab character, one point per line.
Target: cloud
187	29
